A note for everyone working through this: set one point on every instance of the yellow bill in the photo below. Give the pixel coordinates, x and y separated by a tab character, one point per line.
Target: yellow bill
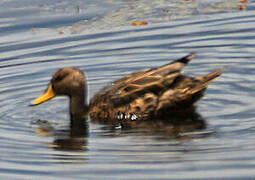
47	95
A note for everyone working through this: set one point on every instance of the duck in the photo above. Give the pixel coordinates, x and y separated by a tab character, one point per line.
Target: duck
141	97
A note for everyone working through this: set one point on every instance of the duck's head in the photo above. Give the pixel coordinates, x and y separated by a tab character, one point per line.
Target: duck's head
68	81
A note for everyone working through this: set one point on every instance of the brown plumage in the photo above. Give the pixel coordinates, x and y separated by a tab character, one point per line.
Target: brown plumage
144	95
150	93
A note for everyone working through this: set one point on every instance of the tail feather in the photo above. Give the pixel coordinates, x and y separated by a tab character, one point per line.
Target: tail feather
208	78
186	59
172	67
188	91
205	80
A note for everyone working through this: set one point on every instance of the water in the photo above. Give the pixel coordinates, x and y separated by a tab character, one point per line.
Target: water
38	37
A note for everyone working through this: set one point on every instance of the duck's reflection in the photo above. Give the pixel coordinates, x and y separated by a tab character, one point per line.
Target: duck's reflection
72	138
76	138
172	125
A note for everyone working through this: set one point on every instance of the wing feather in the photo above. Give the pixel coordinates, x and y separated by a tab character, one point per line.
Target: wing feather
154	80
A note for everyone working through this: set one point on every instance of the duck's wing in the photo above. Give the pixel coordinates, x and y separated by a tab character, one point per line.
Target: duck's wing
153	80
185	91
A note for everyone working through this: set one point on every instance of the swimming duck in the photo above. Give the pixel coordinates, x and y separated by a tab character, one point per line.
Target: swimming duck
148	94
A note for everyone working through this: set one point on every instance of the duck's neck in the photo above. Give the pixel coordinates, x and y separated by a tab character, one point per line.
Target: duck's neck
78	106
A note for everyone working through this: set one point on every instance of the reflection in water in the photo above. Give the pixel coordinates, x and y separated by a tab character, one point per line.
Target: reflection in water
74	138
71	139
76	141
175	125
44	128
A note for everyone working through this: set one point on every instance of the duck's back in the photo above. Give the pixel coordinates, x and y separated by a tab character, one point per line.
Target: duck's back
149	93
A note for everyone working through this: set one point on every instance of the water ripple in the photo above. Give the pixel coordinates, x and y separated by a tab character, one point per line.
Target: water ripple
225	150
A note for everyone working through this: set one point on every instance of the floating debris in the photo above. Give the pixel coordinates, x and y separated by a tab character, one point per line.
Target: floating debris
33	30
60	31
241	7
134	13
137	23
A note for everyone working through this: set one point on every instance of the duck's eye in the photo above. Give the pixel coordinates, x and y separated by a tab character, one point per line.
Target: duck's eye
59	77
